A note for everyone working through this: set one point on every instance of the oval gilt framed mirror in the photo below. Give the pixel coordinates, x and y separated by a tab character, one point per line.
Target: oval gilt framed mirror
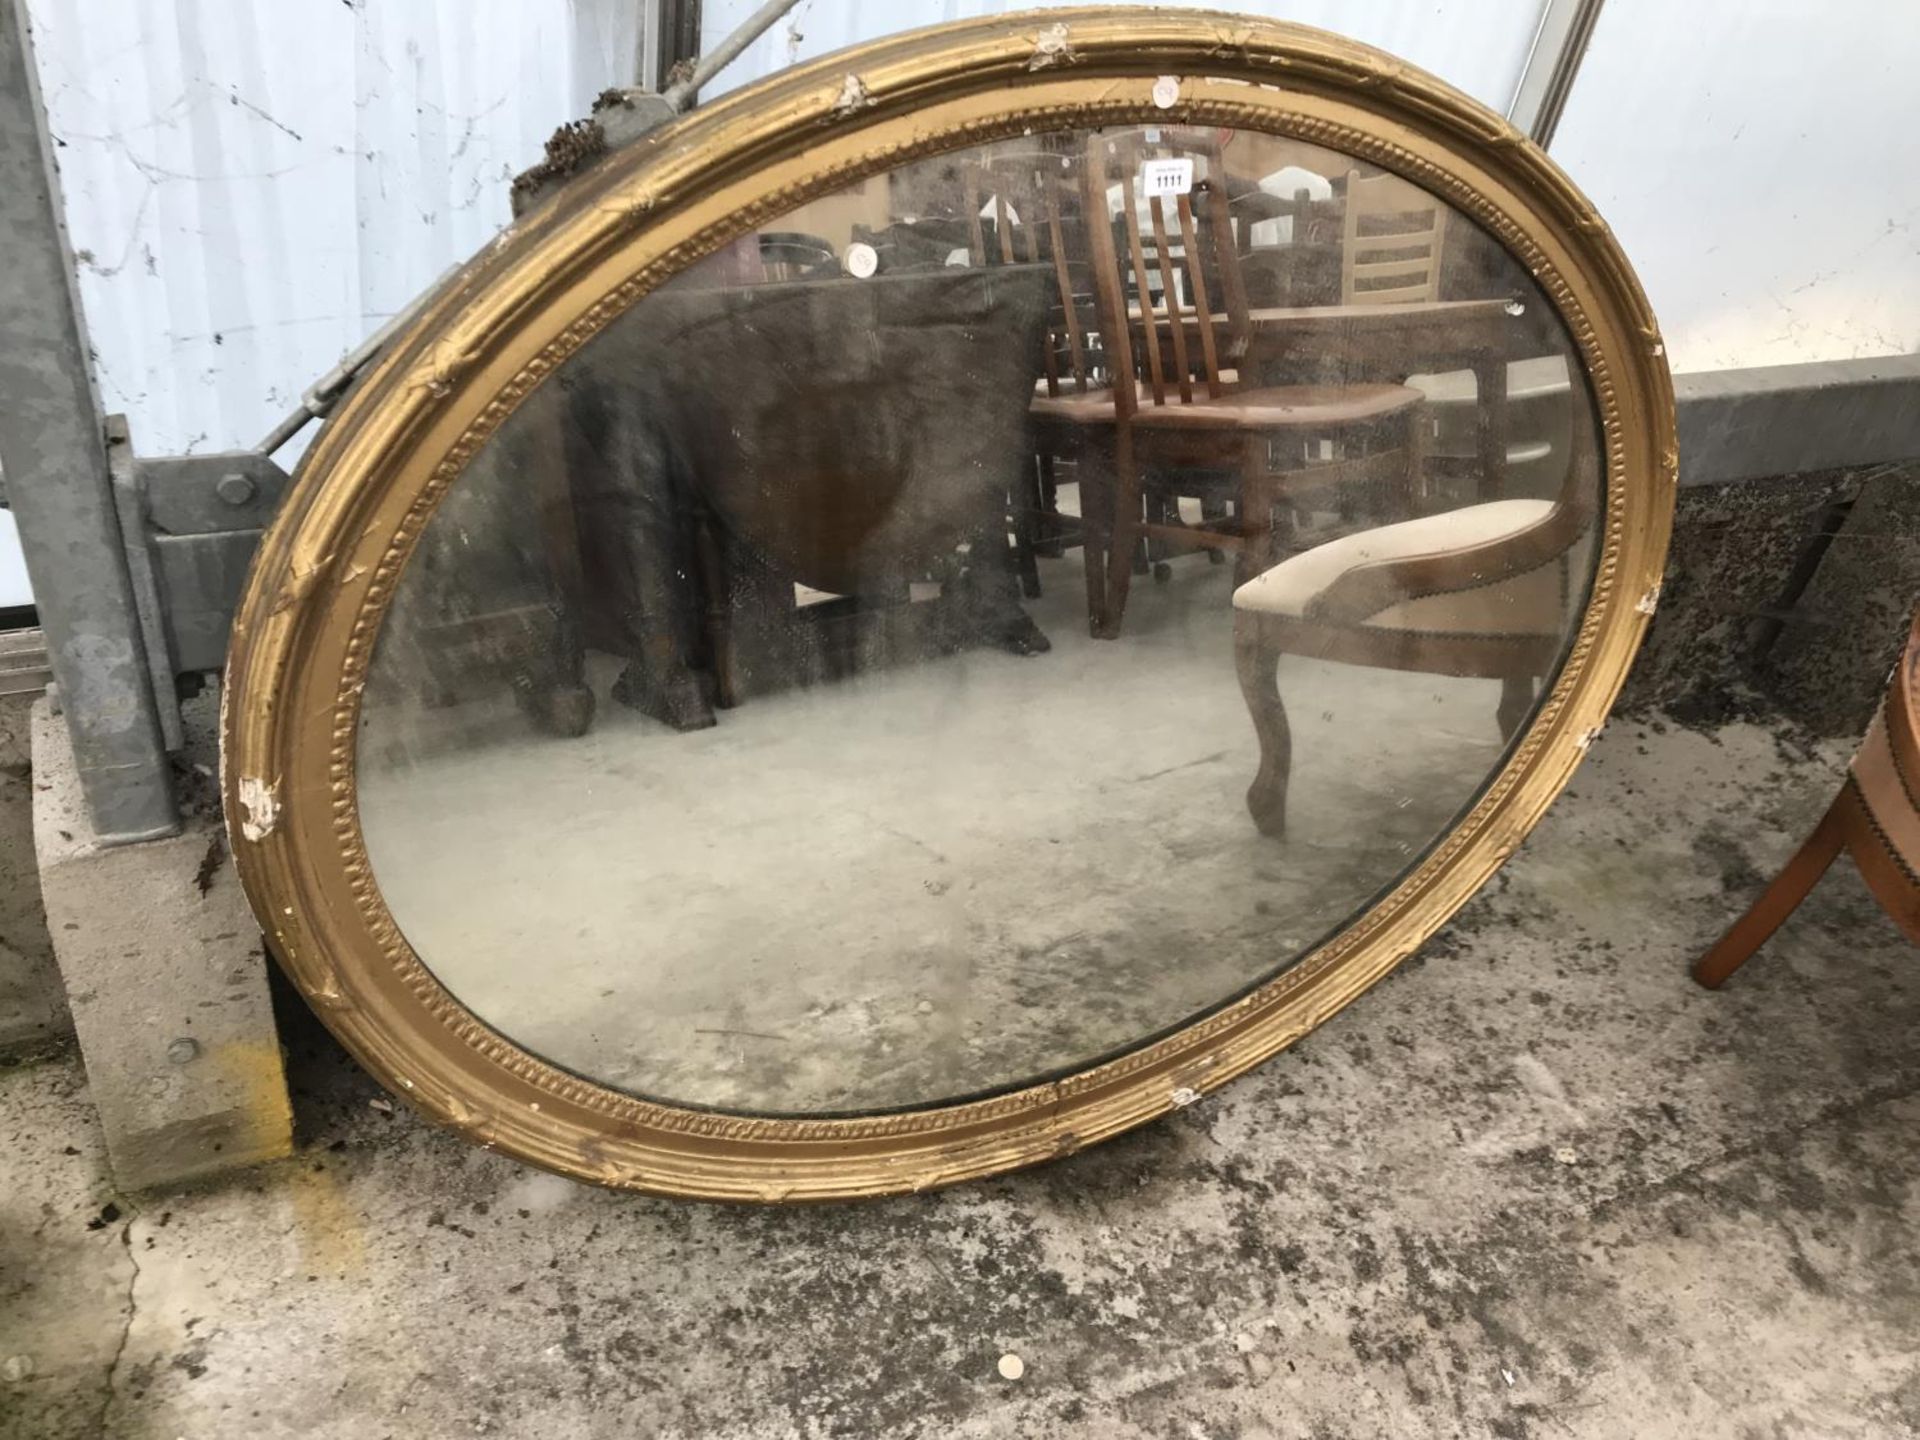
947	603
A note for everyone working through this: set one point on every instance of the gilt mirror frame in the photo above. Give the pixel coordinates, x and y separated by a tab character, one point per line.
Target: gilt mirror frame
327	569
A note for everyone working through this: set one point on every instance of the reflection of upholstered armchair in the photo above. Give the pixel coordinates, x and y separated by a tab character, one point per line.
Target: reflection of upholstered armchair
1484	591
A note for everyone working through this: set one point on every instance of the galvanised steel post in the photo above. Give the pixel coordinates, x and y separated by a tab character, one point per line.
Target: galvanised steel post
53	453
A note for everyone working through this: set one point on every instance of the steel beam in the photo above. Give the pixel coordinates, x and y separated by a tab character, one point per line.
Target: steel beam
52	447
1559	45
685	94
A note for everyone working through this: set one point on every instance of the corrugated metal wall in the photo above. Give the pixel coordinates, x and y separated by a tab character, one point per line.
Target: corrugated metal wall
254	185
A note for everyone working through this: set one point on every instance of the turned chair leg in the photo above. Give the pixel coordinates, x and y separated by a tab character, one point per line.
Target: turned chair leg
1254	501
1122	534
1256	656
1266	517
1049	540
1777	901
1096	534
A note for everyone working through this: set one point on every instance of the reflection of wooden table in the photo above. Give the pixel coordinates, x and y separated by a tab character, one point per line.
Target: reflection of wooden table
1254	206
850	431
668	486
1386	343
851	436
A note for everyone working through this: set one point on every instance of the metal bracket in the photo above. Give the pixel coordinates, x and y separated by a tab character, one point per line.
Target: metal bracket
190	524
621	116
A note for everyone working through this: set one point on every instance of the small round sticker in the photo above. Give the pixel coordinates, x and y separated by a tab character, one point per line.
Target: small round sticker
1166	91
862	260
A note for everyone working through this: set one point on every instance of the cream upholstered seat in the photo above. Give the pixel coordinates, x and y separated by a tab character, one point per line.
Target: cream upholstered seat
1477	592
1529	603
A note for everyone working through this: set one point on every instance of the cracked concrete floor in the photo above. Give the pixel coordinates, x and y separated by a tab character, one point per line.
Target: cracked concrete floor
1536	1184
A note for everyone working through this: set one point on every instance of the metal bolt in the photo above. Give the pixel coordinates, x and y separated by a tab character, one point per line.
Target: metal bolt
236	489
183	1050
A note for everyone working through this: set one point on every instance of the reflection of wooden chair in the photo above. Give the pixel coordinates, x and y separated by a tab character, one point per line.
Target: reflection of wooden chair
1036	219
1538	428
1301	267
1187	415
1875	818
1391	242
1482	591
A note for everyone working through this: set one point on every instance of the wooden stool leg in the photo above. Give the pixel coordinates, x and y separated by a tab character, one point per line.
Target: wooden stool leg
1776	902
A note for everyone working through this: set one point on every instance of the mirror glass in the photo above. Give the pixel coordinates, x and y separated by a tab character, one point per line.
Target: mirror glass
981	622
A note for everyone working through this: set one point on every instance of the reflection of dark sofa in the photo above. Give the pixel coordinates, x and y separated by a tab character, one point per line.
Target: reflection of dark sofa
717	446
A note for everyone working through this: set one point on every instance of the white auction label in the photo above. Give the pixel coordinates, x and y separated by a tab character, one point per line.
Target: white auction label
1166	91
1167	177
862	260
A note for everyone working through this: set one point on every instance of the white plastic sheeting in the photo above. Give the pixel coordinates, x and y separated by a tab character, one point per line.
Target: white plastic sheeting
1760	162
1758	159
1478	45
254	185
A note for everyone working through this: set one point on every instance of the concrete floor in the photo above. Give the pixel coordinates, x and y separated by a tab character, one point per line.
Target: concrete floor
1535	1185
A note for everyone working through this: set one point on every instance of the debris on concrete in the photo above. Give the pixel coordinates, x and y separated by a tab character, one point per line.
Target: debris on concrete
1358	1238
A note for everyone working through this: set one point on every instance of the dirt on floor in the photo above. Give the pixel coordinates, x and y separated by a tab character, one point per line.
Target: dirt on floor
1535	1185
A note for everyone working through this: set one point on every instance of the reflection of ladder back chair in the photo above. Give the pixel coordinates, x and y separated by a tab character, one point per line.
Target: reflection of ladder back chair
1539	429
1875	818
1391	242
1175	403
1022	207
1483	591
